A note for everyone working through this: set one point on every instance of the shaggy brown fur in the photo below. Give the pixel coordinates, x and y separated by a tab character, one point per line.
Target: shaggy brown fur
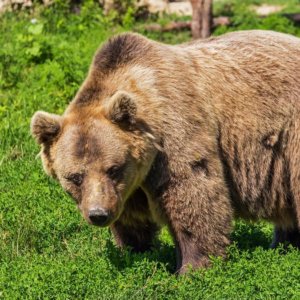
187	136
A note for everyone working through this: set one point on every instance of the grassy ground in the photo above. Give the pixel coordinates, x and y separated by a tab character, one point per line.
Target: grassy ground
46	250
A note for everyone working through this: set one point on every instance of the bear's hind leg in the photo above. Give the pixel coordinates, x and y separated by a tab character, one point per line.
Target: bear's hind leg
135	227
286	237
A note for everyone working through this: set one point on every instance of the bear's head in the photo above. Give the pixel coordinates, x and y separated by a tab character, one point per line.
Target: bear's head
99	153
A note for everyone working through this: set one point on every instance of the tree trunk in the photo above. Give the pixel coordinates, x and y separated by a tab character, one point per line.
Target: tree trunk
202	18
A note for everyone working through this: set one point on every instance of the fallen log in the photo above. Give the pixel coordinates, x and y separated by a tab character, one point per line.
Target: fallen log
293	17
218	21
181	25
169	27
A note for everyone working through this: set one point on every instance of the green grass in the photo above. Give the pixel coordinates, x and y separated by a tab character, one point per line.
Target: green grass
47	251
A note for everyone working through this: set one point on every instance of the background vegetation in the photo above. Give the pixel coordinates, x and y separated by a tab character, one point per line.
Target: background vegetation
46	250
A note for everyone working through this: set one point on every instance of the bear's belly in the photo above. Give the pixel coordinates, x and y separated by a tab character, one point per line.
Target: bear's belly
257	172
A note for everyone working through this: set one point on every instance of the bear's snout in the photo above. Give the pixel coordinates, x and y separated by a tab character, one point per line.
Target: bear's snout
99	216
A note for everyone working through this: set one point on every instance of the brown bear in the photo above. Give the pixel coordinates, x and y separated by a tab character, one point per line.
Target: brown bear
189	136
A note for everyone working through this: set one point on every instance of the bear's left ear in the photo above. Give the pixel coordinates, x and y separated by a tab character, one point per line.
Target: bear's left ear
121	109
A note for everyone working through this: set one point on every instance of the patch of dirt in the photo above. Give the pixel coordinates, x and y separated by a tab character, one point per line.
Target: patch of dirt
266	9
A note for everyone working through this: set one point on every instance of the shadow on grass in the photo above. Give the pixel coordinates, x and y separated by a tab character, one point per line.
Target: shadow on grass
246	236
161	253
249	236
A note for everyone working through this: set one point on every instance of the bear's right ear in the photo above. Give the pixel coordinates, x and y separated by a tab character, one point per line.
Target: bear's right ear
45	127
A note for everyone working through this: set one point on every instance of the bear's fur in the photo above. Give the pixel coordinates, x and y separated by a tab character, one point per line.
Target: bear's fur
187	136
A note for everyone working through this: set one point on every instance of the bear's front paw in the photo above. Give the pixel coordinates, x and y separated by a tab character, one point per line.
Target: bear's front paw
204	262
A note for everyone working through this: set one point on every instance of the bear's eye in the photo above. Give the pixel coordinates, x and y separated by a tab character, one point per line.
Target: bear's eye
75	178
115	172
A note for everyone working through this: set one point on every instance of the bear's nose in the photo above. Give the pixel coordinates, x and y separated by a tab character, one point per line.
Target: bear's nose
98	216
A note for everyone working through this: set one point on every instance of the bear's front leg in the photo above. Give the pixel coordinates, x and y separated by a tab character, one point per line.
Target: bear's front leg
135	227
200	216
